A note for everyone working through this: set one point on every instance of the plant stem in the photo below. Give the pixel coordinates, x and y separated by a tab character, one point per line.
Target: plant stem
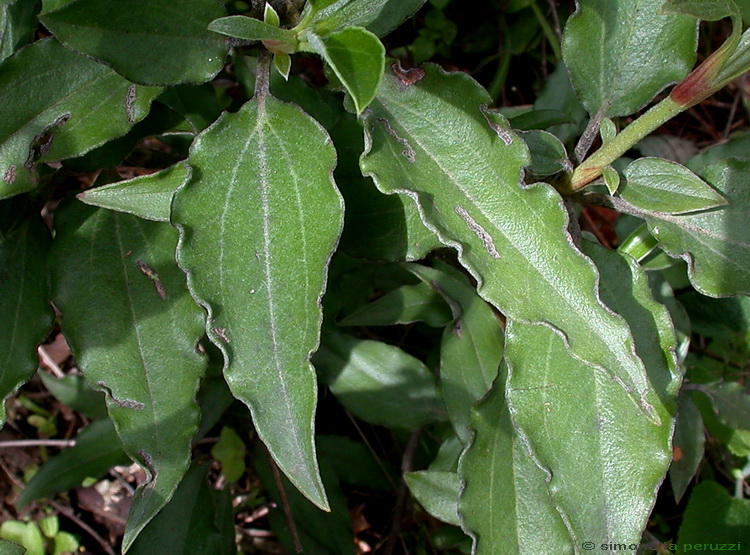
262	70
639	244
637	130
548	31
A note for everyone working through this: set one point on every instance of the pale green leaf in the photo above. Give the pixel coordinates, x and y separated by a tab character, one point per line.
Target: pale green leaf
622	53
470	349
379	383
437	492
357	57
159	42
283	63
130	322
581	427
17	25
378	16
146	196
77	105
96	451
688	444
512	238
505	505
407	304
248	28
714	243
611	179
270	16
259	221
24	293
658	185
230	452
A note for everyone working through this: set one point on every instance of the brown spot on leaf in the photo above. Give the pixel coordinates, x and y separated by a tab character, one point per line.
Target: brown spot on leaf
407	77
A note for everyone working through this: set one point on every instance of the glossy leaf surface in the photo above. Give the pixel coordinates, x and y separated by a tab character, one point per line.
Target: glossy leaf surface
259	221
465	181
581	427
505	505
24	293
17	25
379	383
714	243
621	53
72	101
250	29
147	196
658	185
137	326
159	42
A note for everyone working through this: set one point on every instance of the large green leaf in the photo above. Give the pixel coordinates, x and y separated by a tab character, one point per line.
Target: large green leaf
57	104
379	383
97	449
512	238
470	350
437	492
581	427
621	53
505	505
714	243
132	325
259	221
17	25
379	16
146	196
160	42
24	293
714	516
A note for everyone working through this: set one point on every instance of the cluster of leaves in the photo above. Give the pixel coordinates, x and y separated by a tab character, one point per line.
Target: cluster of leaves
552	374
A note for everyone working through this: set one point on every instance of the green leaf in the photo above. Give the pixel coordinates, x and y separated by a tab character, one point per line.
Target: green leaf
354	463
731	403
147	196
581	427
611	179
248	28
197	103
548	155
379	16
65	542
97	449
26	534
11	548
379	383
505	505
17	25
283	63
357	57
621	54
558	94
470	349
319	532
539	119
159	42
658	185
714	516
715	243
259	221
130	322
377	226
71	390
230	452
688	445
738	146
465	181
197	520
437	492
77	105
24	293
407	304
